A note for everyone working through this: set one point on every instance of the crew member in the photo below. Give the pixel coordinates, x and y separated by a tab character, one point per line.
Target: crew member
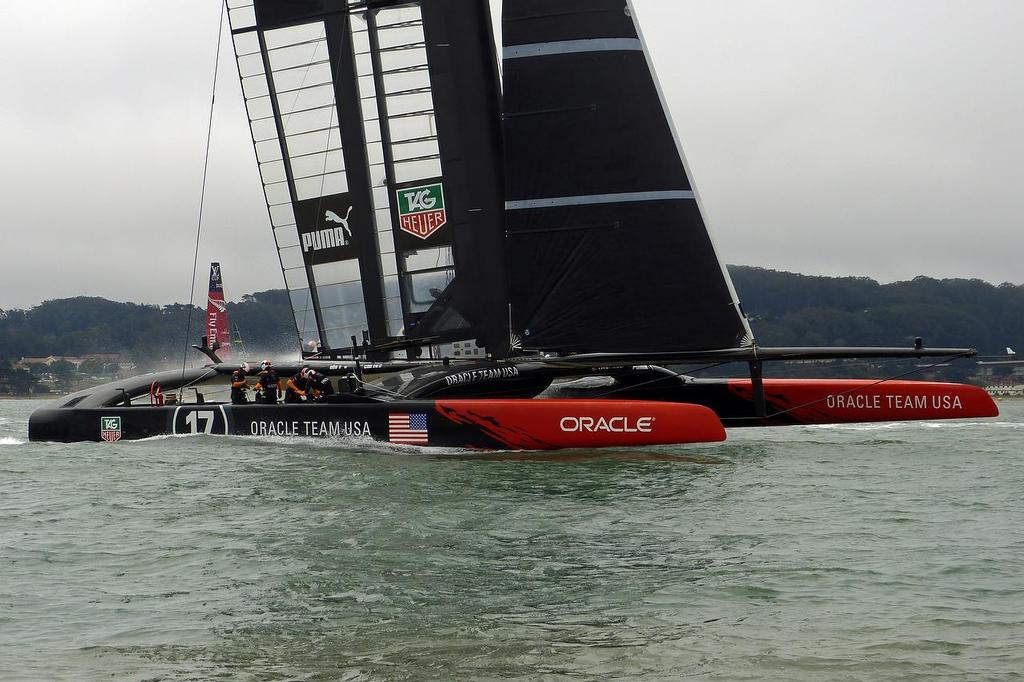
267	384
239	386
295	389
320	385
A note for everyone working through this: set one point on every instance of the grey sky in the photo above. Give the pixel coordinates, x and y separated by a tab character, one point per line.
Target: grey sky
861	137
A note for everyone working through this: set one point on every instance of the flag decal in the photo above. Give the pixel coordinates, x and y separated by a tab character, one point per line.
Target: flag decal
407	429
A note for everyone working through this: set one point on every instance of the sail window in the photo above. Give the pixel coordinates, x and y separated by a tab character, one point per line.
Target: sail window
324	185
337	271
246	44
295	278
305	317
310	165
347	293
290	80
291	257
255	86
277	193
286	237
273	171
250	65
241	13
429	259
341	323
282	215
426	287
263	130
259	108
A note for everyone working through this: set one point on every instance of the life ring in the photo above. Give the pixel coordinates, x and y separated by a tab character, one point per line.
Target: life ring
156	395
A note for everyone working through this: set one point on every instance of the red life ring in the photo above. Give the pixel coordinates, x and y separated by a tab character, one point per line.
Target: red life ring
156	395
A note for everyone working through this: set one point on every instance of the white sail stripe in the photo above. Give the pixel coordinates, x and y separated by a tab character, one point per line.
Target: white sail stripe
572	47
584	200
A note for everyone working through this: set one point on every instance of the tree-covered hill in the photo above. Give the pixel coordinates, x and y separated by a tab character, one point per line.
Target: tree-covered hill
785	309
149	335
791	309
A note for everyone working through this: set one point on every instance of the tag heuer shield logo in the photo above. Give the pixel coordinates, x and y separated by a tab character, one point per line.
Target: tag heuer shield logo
421	210
110	428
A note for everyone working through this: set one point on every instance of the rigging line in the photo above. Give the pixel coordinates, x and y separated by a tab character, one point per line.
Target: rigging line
202	195
916	370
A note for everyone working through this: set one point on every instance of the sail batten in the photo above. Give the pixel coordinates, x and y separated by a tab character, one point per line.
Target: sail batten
572	47
590	199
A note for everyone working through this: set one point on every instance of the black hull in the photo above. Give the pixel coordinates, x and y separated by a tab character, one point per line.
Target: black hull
474	424
316	420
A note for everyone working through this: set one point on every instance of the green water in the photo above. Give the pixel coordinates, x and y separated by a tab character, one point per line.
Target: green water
870	552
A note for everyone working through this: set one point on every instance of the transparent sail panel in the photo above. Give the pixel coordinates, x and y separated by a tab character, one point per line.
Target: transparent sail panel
405	74
241	13
398	109
340	294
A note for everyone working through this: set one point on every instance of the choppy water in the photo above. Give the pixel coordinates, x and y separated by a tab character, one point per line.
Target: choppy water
887	552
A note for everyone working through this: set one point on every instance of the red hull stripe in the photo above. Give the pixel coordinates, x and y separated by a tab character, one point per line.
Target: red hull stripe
832	401
552	424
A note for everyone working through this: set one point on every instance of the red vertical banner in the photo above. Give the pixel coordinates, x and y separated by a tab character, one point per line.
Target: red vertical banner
217	330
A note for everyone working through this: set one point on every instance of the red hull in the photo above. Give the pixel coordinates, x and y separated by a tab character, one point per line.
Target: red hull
554	424
837	401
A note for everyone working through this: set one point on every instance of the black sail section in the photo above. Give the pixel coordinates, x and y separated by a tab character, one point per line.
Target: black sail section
464	81
608	248
377	129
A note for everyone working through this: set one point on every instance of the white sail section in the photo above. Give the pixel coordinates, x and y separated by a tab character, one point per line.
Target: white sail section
402	149
290	100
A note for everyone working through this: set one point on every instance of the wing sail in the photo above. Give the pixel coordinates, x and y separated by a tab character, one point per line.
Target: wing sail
377	132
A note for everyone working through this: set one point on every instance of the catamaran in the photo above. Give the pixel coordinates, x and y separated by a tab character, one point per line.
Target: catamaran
488	259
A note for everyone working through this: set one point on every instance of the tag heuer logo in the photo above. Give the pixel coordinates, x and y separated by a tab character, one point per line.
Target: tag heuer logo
110	428
421	210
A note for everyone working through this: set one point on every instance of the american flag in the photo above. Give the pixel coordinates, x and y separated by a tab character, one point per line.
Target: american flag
407	429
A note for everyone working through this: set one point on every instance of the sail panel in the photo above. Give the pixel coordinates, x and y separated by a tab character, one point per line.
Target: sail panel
608	248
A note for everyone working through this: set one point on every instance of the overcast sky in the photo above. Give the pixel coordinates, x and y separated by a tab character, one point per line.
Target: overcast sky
847	137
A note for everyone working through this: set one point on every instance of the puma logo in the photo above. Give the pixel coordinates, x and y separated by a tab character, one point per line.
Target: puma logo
332	217
331	237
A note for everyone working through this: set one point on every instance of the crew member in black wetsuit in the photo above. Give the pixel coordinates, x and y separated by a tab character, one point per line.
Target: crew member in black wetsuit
320	385
239	387
267	384
295	389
